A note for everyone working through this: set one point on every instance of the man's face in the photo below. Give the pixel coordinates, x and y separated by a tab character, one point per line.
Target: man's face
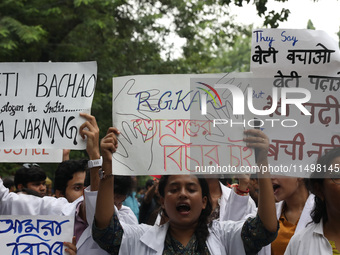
75	186
38	186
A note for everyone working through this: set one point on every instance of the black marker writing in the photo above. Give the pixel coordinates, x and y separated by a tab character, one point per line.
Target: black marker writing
57	107
69	85
12	109
2	130
9	83
29	129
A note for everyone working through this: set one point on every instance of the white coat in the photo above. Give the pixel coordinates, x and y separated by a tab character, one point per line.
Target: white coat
311	241
235	207
224	238
86	245
22	204
305	218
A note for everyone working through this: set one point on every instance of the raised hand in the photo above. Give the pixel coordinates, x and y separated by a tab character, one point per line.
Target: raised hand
260	142
109	144
266	210
90	130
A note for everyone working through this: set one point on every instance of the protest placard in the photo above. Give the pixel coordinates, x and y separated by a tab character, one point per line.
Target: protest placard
163	129
41	102
300	63
31	155
172	124
39	234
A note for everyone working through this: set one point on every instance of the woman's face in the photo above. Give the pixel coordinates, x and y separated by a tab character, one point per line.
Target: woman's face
285	187
331	190
183	200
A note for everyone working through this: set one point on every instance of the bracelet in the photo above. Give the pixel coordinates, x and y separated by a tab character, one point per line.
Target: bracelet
95	162
241	192
103	175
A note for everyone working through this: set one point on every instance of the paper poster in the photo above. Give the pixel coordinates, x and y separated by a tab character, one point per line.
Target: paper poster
41	102
31	155
164	131
173	124
297	73
41	234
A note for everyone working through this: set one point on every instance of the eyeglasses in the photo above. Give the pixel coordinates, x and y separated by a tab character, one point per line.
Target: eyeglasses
28	165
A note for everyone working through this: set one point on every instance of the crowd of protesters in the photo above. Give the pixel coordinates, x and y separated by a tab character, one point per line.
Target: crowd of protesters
180	214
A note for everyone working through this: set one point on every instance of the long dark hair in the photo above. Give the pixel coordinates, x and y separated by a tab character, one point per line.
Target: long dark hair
201	230
320	211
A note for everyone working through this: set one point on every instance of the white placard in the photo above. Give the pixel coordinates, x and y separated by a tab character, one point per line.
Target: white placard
163	130
41	234
31	155
289	60
41	102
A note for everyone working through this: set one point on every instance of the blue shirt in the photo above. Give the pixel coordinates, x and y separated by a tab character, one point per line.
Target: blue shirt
132	202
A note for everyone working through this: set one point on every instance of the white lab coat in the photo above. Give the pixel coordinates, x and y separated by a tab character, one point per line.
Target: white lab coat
86	245
305	218
224	238
235	207
22	204
311	241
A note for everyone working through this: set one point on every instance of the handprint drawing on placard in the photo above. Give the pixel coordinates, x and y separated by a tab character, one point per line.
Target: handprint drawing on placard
131	144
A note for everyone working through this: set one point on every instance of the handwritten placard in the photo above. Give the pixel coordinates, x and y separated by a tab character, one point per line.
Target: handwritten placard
41	102
297	62
35	235
164	131
31	155
292	95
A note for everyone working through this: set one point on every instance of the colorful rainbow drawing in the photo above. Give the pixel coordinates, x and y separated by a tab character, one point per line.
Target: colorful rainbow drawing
208	92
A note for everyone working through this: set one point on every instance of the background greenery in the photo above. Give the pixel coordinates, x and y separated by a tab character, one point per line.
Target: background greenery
127	38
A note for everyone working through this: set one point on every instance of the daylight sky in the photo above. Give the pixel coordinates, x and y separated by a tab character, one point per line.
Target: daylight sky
324	14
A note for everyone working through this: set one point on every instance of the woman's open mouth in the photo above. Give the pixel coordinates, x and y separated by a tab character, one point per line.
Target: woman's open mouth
183	208
276	187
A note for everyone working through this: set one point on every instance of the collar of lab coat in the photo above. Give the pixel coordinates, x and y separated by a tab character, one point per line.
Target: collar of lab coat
305	217
319	228
159	232
70	208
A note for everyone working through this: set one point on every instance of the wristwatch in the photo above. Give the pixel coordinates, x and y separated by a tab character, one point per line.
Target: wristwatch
103	175
95	163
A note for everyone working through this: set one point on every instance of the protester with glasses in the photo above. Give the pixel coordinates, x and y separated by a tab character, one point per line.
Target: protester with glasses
31	179
323	235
